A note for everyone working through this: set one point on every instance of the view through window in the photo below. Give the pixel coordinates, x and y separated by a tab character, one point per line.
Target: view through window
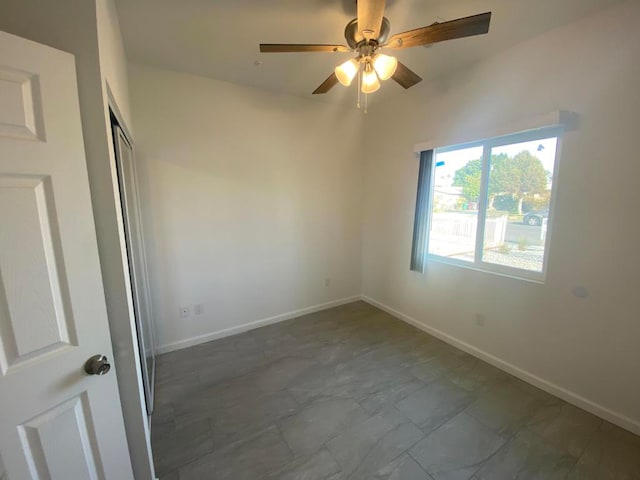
490	202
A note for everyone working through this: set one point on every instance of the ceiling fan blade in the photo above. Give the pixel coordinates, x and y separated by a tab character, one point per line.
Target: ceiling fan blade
300	47
439	32
327	85
405	77
370	13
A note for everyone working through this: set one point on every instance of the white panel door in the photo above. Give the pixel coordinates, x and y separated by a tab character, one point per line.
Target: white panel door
57	422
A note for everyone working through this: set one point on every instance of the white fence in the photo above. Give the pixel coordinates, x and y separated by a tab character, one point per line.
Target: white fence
454	234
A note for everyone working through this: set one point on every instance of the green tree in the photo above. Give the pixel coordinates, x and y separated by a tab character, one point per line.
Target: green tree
468	177
521	175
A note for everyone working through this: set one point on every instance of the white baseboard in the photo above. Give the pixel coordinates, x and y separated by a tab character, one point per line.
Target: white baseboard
190	342
567	395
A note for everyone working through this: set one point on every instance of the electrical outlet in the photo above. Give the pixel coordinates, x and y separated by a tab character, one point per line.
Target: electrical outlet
198	309
184	312
480	319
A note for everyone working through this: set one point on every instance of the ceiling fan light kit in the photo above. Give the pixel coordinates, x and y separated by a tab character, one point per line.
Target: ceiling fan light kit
347	71
370	82
368	33
385	65
380	67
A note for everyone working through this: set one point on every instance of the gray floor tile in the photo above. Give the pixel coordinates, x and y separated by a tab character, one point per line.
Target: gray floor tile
613	453
314	397
261	339
333	353
218	351
353	379
175	390
317	466
505	408
427	371
540	395
527	457
364	443
388	447
457	449
170	476
450	359
421	348
220	395
434	404
280	374
173	363
163	411
402	468
159	430
249	416
476	375
215	372
320	421
296	347
566	427
390	395
174	447
252	458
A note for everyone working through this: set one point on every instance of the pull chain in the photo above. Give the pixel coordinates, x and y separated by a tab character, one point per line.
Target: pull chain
359	85
366	103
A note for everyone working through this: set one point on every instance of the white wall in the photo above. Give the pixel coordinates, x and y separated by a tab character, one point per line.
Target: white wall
113	60
588	347
252	201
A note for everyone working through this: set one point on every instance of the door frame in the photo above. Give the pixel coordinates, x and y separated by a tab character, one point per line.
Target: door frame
122	325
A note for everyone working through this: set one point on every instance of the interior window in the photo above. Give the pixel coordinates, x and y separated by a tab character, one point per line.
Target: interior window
489	203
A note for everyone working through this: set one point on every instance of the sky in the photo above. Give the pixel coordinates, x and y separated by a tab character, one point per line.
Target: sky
456	159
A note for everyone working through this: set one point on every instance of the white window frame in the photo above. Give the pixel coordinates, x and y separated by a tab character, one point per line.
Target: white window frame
488	145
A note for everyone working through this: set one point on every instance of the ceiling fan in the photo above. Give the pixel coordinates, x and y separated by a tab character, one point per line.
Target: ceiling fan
367	34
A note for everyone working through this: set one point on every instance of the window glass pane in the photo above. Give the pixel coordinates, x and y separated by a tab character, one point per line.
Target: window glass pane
456	191
518	196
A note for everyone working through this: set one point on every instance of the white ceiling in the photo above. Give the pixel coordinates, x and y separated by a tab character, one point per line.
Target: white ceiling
219	38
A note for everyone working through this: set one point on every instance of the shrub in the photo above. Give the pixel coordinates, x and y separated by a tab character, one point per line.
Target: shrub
522	244
506	203
536	203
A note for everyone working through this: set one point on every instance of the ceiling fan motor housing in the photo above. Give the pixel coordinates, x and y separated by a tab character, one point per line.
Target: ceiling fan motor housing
355	40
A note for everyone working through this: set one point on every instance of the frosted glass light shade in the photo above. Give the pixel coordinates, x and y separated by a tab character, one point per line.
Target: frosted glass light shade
347	71
385	66
370	82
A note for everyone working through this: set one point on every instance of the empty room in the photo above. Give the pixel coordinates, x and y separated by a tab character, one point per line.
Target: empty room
319	240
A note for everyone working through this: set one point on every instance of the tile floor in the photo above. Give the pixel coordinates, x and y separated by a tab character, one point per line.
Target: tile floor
353	393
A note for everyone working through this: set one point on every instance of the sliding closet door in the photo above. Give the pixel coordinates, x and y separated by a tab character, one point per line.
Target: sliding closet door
137	261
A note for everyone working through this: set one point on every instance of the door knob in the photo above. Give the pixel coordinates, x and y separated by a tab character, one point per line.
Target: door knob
97	365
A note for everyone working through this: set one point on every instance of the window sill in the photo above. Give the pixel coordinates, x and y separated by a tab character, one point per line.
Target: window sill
491	269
